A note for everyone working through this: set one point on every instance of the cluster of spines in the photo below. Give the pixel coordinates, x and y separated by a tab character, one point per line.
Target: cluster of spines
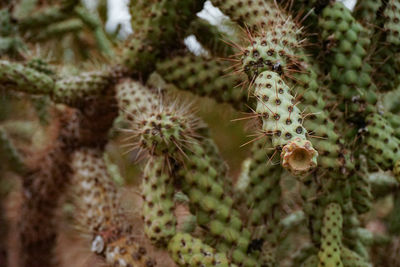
271	53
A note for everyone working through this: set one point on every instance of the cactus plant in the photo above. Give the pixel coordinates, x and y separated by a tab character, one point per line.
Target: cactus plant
104	139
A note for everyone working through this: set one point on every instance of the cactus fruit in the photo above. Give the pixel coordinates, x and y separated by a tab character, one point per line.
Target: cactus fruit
331	242
206	77
158	128
282	121
189	251
158	192
163	133
281	52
